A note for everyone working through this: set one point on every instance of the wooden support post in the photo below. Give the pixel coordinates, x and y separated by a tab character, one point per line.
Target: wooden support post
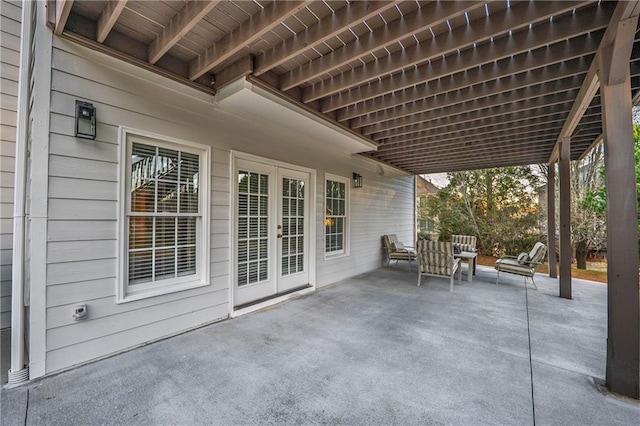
551	220
565	219
623	342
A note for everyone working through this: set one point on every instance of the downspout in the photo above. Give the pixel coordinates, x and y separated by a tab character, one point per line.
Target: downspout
19	371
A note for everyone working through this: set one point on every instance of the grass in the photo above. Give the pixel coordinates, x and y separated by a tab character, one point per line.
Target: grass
596	271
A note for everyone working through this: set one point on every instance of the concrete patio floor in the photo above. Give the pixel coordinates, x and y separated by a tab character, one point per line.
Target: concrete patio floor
374	349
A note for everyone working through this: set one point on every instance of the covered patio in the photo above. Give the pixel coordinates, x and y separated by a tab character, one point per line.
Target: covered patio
372	349
424	87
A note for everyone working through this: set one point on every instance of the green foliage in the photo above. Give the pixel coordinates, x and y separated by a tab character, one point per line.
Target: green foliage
496	205
596	200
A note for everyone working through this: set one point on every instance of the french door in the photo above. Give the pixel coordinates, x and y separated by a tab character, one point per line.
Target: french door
271	230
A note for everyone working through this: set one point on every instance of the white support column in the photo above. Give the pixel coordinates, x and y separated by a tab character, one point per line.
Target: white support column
623	342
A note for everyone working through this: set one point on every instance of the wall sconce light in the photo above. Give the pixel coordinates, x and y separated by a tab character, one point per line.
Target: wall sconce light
85	120
357	180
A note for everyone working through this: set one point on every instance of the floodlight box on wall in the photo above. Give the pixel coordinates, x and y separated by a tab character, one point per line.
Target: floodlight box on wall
85	120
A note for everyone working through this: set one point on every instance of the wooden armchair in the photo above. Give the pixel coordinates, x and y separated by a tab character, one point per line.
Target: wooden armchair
395	250
435	258
524	264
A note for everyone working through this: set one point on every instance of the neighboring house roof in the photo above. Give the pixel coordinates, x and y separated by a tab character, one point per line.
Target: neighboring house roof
426	187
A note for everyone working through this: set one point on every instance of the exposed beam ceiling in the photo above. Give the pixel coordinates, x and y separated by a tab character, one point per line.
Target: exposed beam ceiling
190	16
437	85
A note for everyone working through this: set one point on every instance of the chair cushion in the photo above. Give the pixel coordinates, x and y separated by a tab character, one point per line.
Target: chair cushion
436	257
537	253
397	245
523	258
514	267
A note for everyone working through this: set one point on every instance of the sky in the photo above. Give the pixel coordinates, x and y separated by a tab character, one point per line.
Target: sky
438	179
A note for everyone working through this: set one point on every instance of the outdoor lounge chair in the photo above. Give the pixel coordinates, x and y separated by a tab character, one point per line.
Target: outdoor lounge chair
435	258
396	250
524	265
466	242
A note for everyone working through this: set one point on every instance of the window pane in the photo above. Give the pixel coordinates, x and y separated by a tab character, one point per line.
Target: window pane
243	182
242	274
140	232
162	180
186	261
243	228
165	264
264	251
263	270
253	183
167	197
189	167
165	231
143	173
264	184
242	251
186	231
243	204
188	197
167	164
140	266
336	210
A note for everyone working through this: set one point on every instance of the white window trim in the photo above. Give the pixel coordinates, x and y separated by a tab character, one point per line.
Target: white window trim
123	292
347	232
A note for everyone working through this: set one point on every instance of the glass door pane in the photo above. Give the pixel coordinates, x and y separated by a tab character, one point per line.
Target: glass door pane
253	227
293	226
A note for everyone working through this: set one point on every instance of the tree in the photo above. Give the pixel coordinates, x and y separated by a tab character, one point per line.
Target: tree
596	199
588	225
497	205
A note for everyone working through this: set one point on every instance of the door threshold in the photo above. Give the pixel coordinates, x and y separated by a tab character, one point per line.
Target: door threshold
271	300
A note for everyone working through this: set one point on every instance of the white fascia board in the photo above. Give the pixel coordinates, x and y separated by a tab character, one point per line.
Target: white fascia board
252	101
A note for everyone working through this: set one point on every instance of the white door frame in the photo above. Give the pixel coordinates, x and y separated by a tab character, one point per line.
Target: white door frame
232	231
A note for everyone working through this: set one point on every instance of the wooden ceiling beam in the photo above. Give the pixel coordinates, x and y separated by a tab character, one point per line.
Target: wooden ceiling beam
498	105
624	10
468	155
464	157
478	130
501	114
63	8
552	63
108	18
521	138
421	143
481	30
487	163
476	162
181	23
413	23
352	14
490	97
514	119
247	33
565	28
504	112
445	167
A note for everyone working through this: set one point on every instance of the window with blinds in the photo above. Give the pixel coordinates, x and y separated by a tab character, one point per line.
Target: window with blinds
164	215
336	216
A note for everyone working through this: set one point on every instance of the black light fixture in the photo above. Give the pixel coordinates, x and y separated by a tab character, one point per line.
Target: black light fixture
85	120
357	180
